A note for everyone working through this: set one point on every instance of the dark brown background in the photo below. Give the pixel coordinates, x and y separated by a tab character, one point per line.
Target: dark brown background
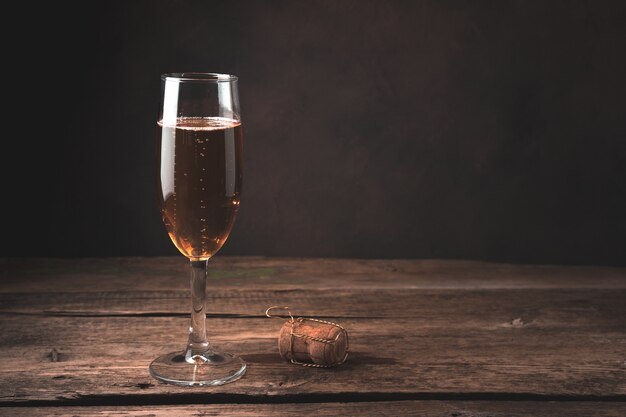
376	129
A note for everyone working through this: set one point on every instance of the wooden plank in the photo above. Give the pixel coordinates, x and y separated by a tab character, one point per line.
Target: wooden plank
98	356
84	331
170	273
452	308
365	409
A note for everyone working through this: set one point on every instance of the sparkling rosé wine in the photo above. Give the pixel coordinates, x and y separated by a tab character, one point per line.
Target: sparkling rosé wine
200	181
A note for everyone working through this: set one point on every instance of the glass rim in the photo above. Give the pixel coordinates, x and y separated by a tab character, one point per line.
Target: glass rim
211	77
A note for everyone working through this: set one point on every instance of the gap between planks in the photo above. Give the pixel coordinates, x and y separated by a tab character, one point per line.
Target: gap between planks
304	398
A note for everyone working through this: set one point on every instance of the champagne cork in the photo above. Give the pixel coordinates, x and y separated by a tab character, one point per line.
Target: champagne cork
312	342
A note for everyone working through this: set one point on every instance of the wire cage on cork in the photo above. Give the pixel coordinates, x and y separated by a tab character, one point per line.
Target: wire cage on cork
311	342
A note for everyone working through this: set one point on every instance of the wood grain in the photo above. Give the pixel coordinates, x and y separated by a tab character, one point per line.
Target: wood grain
416	338
170	273
442	307
386	408
488	353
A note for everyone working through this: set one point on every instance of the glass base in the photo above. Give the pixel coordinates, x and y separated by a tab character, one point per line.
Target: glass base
208	369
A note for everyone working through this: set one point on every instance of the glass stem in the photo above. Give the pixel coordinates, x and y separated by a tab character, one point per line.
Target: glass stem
198	344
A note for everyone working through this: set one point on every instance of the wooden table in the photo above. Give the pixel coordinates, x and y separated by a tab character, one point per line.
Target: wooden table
433	338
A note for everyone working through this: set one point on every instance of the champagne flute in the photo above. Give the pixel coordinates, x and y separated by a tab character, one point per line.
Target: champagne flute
199	157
